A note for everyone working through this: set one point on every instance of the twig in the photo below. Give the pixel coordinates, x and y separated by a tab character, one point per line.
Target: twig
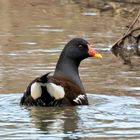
129	33
130	27
133	23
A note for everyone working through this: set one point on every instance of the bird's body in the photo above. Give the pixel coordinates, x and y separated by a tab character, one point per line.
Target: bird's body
64	87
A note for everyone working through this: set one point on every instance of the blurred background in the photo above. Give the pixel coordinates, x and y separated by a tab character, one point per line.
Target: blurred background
32	35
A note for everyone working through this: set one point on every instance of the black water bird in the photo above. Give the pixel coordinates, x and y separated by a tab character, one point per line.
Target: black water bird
64	87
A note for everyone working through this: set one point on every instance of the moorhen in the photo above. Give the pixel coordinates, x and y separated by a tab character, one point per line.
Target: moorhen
64	87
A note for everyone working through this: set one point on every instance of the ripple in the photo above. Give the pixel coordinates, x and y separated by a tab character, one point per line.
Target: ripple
44	50
89	14
28	43
46	28
106	116
51	30
131	88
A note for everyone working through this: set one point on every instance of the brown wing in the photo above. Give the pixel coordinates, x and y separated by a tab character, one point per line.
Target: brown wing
72	91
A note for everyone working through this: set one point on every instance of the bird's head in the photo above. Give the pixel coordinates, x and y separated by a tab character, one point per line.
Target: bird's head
79	49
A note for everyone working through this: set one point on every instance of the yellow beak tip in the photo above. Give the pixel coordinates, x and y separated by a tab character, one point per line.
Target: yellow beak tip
98	55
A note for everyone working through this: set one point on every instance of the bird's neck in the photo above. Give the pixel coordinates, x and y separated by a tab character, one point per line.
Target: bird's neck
69	68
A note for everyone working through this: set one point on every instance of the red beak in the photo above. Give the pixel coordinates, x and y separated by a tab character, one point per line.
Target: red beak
92	52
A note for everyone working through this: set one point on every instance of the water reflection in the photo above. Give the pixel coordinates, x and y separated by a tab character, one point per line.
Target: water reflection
107	117
33	34
55	120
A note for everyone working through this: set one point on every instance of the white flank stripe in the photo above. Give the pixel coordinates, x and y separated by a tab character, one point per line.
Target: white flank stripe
56	91
79	98
36	90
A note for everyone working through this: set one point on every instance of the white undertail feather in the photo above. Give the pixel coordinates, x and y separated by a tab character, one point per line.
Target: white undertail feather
36	90
56	91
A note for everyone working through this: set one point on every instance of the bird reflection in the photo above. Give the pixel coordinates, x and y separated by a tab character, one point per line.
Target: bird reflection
55	121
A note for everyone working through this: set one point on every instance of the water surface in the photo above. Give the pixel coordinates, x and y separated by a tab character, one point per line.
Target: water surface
33	34
107	117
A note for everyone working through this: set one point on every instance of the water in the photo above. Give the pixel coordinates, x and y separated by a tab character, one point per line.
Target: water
107	117
32	37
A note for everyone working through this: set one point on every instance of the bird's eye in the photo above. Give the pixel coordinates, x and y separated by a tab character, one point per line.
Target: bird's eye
80	47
